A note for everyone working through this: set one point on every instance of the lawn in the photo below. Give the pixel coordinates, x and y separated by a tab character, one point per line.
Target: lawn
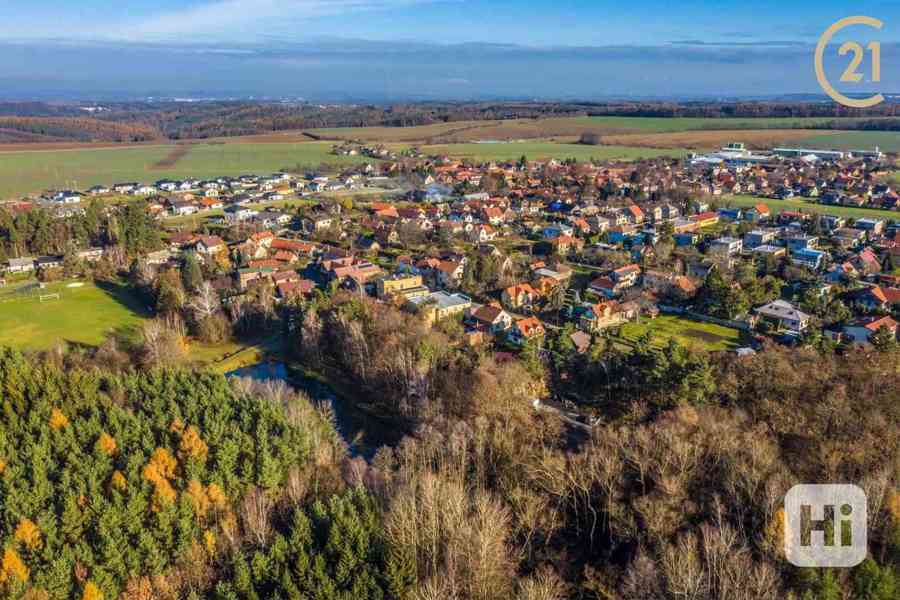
693	334
808	206
85	314
33	171
538	150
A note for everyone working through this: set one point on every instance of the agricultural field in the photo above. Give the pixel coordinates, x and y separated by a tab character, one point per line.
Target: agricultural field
32	171
887	141
763	139
545	150
84	313
704	140
556	127
695	335
807	205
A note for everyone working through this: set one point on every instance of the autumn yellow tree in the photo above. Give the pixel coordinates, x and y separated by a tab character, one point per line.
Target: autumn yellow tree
192	445
28	534
91	592
12	567
58	420
106	444
159	471
196	493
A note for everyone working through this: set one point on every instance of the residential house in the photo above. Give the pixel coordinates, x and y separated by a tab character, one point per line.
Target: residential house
209	244
802	242
812	259
860	332
876	298
183	208
526	329
21	265
874	227
316	222
602	315
758	237
492	317
520	297
784	315
440	305
626	276
402	285
295	288
726	246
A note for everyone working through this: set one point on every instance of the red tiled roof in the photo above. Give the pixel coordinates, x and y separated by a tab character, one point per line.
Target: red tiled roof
487	313
877	324
530	326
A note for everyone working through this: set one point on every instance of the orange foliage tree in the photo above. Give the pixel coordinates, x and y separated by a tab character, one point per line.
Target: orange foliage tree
27	533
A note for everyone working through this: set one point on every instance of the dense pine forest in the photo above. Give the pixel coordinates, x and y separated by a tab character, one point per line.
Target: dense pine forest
159	482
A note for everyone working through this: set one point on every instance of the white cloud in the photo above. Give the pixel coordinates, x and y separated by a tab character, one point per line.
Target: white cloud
243	20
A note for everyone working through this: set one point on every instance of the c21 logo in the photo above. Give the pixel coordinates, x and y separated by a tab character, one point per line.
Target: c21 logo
851	73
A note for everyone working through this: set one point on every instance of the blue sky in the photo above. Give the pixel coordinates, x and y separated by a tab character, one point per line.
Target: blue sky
428	48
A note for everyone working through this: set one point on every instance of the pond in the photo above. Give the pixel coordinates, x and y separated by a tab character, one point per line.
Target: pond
363	434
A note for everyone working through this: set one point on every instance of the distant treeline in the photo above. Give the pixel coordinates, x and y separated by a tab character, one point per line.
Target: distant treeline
55	129
868	119
138	121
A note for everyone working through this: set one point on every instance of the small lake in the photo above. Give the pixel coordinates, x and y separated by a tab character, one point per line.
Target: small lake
362	434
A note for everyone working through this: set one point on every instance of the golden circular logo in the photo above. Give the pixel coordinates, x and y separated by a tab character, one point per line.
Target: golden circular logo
850	74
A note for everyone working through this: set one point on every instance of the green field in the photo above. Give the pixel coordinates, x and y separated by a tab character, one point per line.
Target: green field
693	334
545	150
513	129
807	205
83	315
25	172
887	141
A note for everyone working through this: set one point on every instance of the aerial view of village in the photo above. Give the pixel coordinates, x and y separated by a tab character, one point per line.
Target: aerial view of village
379	334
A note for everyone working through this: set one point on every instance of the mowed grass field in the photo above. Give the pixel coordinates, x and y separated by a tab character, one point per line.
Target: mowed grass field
82	315
543	150
30	171
807	205
696	335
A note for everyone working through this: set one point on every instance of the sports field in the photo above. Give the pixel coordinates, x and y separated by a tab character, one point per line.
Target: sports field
693	334
538	150
84	314
30	171
809	206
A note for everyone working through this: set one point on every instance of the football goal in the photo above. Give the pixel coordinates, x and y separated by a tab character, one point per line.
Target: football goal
48	297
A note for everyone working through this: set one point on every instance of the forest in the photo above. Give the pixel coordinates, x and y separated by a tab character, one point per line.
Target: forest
139	479
79	129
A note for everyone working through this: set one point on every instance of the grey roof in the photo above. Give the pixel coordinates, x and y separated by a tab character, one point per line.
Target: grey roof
781	309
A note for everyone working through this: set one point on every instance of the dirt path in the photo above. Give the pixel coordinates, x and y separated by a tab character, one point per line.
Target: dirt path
171	159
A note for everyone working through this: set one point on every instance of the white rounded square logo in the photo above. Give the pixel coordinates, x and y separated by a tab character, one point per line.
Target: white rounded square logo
825	525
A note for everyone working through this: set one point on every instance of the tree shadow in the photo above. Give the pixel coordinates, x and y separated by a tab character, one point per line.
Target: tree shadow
127	297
